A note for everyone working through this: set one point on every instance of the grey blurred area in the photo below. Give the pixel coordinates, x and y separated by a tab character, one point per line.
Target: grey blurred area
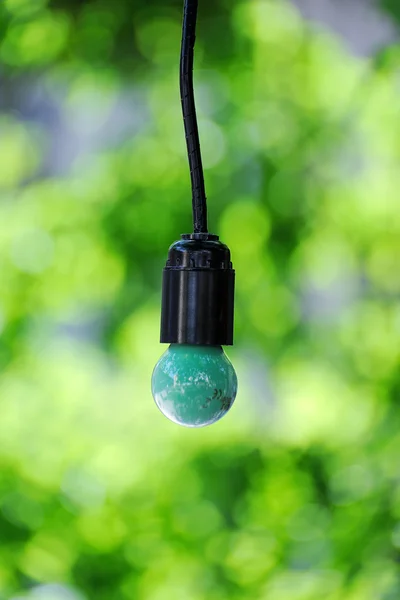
362	24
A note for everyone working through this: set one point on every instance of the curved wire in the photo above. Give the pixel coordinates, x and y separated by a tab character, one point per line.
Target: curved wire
199	200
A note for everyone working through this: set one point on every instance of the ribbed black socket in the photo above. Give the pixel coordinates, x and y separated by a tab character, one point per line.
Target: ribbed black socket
198	292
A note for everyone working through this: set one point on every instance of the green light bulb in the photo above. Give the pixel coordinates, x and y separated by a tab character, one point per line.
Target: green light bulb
194	386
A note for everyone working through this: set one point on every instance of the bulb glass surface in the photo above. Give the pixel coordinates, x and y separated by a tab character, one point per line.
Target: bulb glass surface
194	386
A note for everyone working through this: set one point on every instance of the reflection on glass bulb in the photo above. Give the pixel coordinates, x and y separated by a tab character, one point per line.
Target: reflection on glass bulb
194	386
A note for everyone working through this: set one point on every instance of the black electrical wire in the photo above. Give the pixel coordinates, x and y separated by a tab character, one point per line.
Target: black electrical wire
199	200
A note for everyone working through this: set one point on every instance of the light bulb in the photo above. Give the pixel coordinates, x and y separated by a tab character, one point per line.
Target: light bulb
194	386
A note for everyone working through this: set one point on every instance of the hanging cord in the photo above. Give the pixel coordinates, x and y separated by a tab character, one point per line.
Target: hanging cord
199	200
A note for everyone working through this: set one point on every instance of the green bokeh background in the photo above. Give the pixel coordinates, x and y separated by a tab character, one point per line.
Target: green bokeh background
295	495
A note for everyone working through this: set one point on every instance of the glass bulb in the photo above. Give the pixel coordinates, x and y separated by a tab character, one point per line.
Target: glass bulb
194	386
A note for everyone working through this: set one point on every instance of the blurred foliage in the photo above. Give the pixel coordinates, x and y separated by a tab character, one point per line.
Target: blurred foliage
295	495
